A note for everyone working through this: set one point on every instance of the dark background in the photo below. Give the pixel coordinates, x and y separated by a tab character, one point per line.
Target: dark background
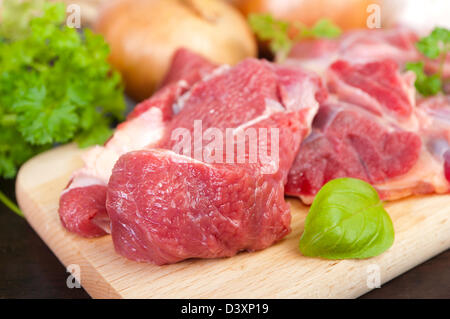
28	269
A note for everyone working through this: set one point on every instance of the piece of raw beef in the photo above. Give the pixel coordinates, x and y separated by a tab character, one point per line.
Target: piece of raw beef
82	204
357	46
362	46
431	172
370	128
169	203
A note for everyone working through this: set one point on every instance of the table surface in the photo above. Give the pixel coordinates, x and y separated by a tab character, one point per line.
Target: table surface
29	269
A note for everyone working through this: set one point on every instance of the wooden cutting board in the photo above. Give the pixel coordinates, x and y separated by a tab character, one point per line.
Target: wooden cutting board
422	226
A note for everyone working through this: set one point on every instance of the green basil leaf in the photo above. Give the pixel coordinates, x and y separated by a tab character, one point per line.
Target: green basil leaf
347	220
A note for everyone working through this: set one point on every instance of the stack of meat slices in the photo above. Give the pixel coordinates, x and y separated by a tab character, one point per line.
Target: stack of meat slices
163	203
371	127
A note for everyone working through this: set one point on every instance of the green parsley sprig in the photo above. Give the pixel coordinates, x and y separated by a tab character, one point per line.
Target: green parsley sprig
435	46
282	35
56	85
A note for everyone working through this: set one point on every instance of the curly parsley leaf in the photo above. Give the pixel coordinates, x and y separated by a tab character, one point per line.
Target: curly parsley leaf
427	85
267	28
17	15
435	46
96	135
323	28
56	85
282	35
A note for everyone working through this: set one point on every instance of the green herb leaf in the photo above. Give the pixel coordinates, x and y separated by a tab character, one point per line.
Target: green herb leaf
97	135
16	17
347	220
267	28
426	85
324	28
56	85
435	44
8	203
281	35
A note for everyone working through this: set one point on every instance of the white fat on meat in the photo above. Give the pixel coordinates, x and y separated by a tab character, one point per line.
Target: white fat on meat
179	103
357	46
427	175
141	132
138	133
362	98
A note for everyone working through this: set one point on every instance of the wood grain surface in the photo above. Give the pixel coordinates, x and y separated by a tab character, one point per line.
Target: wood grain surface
422	226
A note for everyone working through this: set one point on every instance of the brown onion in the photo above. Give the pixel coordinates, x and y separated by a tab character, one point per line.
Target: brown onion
143	35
